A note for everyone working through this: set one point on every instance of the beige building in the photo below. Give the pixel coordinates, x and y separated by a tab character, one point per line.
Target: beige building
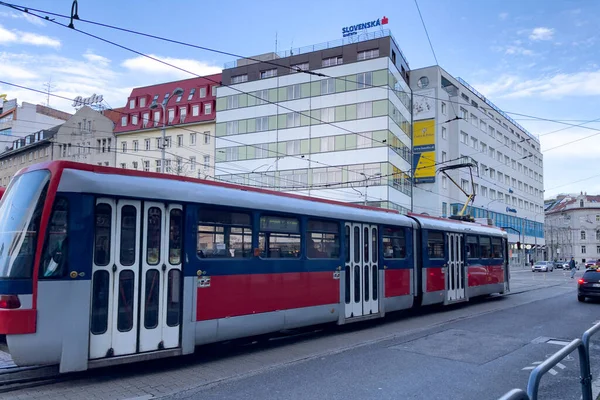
85	137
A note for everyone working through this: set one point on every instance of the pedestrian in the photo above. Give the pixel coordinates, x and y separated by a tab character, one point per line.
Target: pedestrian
573	268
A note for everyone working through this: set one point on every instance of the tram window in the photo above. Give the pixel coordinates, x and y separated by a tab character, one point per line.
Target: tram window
279	237
100	296
486	247
374	241
496	248
125	302
173	297
347	244
324	239
394	243
154	233
356	244
152	299
56	246
128	235
473	247
102	235
175	227
435	245
224	234
366	244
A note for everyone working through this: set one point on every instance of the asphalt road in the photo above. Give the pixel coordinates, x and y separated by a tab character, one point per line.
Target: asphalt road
478	357
478	350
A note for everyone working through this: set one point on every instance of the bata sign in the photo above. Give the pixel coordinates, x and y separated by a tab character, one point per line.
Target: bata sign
353	29
93	99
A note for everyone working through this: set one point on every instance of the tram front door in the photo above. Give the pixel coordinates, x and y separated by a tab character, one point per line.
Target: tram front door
456	278
137	277
361	272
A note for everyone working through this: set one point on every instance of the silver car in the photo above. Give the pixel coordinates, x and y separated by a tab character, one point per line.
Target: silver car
543	266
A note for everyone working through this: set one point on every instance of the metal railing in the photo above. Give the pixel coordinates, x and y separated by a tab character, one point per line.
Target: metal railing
583	348
328	45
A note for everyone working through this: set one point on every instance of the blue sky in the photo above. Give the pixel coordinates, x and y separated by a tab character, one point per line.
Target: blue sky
533	57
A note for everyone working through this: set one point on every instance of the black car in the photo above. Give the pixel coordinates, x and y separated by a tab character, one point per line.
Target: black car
589	284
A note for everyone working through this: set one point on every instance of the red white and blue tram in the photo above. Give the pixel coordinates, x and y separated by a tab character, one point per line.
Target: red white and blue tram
101	265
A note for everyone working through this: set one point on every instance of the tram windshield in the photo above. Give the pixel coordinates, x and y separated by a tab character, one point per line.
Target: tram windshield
20	215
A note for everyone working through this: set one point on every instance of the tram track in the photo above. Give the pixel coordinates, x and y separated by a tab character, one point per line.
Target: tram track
16	378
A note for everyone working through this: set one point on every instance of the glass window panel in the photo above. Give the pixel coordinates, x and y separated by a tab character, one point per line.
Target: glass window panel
394	243
176	227
102	236
154	233
435	245
125	302
356	244
173	297
128	235
486	247
55	254
472	247
279	245
152	299
100	296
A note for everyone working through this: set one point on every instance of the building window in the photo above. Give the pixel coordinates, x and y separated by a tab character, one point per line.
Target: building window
193	138
239	78
124	120
171	115
158	165
444	108
444	209
582	249
364	55
145	119
364	110
147	166
191	95
443	156
328	62
192	163
134	165
147	144
444	133
202	92
124	146
179	140
582	233
195	110
207	108
182	114
132	104
142	102
464	114
364	79
123	165
269	73
299	67
156	118
134	120
206	137
262	124
168	141
136	145
293	120
206	162
328	86
213	91
444	182
233	101
293	92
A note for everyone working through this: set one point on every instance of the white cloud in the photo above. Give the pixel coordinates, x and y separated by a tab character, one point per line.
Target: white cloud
518	50
27	17
541	33
503	15
95	58
12	72
17	37
556	86
38	40
145	65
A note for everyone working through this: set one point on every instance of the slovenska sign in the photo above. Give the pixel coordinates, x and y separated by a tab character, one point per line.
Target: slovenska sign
353	29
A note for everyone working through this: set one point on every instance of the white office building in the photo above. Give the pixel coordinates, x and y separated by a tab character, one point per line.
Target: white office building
342	132
454	124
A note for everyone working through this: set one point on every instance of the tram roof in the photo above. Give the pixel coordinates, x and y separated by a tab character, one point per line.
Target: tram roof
428	222
87	178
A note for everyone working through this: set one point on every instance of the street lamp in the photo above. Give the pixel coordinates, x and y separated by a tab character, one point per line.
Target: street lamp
367	182
154	106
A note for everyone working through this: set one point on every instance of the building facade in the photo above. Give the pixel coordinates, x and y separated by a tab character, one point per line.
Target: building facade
341	131
573	228
23	120
455	124
85	137
189	120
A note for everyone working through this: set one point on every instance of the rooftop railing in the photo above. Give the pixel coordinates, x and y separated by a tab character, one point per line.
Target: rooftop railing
328	45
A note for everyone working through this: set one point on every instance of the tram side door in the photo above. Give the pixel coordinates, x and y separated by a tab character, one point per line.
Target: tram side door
361	272
455	273
136	280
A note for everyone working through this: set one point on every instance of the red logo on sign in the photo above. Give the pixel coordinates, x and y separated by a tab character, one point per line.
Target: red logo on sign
384	20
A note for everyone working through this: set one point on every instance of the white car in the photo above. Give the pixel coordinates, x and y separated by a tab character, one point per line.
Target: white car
543	266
